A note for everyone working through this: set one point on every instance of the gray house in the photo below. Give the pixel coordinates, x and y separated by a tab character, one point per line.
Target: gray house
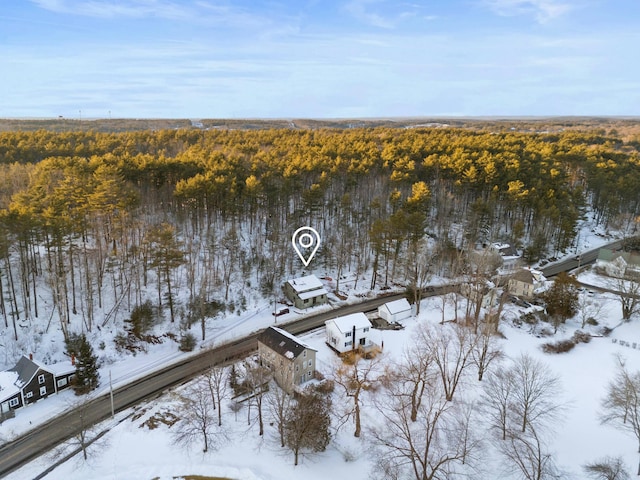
291	360
305	292
29	381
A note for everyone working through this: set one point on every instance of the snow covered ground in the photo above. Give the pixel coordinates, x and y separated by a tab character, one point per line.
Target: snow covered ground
133	451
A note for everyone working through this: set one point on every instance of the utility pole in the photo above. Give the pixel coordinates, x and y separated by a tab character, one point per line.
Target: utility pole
113	413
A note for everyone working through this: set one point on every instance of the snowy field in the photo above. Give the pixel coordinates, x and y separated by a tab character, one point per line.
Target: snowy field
133	451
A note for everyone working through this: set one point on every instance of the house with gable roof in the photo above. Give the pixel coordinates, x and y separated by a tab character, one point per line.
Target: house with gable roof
619	264
29	381
525	282
291	360
349	332
395	311
305	292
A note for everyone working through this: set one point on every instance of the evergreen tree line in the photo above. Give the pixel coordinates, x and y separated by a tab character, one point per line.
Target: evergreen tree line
89	215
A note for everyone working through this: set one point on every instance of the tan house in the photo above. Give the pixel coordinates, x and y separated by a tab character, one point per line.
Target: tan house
525	282
305	292
291	360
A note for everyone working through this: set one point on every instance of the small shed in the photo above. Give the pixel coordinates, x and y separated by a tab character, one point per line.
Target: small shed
395	311
349	332
305	292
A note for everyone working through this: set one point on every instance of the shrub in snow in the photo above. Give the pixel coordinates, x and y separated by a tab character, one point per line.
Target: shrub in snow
187	342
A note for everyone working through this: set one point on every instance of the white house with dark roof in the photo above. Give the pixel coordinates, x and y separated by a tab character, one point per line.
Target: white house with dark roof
395	311
291	360
349	332
305	292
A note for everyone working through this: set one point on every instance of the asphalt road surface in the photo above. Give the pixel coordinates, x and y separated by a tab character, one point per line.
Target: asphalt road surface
24	449
59	429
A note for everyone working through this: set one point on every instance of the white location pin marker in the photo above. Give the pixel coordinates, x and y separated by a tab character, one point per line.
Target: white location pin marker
306	242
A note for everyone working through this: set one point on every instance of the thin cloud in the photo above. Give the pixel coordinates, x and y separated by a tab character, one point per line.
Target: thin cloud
380	13
542	10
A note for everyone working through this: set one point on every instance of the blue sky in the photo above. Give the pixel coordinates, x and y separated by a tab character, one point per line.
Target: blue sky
318	58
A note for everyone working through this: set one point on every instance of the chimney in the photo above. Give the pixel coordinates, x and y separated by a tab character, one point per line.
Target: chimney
353	345
31	356
73	360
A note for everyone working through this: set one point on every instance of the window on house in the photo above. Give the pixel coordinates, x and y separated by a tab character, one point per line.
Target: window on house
348	334
40	379
365	329
29	395
43	391
306	300
304	354
346	344
62	382
297	367
309	374
13	402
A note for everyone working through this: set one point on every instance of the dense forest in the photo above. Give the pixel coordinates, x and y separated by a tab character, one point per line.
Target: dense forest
87	214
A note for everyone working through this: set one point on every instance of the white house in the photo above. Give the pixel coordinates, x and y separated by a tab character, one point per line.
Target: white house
305	292
619	264
349	332
395	311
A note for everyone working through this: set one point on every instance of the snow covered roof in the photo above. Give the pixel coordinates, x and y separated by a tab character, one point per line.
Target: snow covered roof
26	369
283	342
312	293
346	323
60	368
8	386
398	306
304	284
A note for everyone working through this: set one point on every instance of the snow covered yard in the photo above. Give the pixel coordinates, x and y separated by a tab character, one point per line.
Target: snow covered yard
134	451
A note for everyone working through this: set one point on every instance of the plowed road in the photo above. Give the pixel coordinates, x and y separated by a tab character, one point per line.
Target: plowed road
58	429
20	451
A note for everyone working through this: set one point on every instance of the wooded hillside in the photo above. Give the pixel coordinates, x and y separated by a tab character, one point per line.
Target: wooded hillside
191	210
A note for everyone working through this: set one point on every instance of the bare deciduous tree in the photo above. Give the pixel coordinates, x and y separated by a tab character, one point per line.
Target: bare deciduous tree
535	389
497	398
417	372
307	428
217	380
485	350
280	404
526	456
355	375
628	292
438	444
450	346
257	381
621	404
521	395
607	468
197	419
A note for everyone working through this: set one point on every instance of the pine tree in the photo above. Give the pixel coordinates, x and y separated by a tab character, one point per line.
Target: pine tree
87	376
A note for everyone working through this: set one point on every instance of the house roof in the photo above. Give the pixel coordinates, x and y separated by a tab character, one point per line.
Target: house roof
283	342
506	249
305	284
346	323
524	276
26	369
398	306
60	368
8	386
